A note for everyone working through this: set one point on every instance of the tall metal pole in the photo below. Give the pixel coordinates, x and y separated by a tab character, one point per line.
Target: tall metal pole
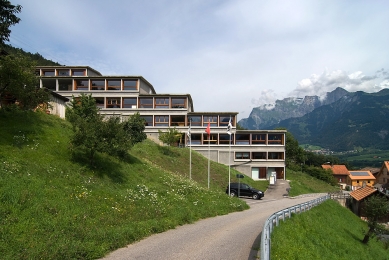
209	156
229	170
190	150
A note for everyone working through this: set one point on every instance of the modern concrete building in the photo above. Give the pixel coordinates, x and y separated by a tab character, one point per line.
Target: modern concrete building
256	153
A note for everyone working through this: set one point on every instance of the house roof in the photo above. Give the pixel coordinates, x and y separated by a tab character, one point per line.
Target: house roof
337	169
373	170
362	193
386	165
361	175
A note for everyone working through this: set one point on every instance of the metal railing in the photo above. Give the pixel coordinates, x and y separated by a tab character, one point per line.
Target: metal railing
274	220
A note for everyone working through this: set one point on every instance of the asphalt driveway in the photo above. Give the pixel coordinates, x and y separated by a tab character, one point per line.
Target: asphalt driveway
233	236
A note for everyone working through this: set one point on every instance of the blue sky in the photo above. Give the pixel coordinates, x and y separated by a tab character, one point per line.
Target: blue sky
230	55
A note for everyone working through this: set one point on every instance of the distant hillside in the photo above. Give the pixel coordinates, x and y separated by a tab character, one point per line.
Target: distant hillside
267	115
356	120
39	59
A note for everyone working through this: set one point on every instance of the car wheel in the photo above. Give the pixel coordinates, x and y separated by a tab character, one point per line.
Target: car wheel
255	196
233	193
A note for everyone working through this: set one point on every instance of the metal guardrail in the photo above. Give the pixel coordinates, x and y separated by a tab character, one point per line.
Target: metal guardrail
274	220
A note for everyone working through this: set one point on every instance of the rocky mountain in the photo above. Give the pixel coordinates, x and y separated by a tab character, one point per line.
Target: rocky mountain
356	120
271	114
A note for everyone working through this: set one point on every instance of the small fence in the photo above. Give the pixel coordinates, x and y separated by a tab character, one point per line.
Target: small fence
282	214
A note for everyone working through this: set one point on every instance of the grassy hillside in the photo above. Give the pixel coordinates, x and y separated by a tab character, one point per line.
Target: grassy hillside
302	183
55	206
315	235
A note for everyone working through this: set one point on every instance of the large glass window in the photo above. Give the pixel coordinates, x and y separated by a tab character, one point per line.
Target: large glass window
98	84
211	139
195	139
130	84
146	102
276	155
82	84
259	155
196	120
99	102
223	120
225	139
65	85
161	120
274	139
48	73
148	120
162	102
242	155
129	103
242	138
63	72
78	72
113	102
178	102
49	84
211	119
178	120
114	84
258	139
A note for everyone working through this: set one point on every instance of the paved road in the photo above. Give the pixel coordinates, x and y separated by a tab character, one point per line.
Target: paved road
233	236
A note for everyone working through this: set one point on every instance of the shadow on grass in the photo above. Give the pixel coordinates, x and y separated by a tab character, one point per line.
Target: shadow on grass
168	151
353	236
104	166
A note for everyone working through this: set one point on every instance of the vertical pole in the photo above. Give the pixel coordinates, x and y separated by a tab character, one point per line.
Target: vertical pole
209	156
229	170
190	150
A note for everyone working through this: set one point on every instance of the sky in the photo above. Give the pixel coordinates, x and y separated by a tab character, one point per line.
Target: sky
229	55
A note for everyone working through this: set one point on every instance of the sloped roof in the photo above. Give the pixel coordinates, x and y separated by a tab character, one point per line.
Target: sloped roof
373	170
337	169
386	164
362	193
361	175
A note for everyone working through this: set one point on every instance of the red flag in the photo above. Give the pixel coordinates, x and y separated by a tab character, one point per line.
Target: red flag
208	130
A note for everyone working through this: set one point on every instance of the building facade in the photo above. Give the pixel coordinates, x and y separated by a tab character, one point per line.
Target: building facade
256	153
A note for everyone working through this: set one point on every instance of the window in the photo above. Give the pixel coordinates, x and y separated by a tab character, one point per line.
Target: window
65	85
275	139
258	138
276	155
243	139
146	102
178	120
98	84
129	103
99	102
161	120
212	139
48	73
148	120
113	102
178	103
76	72
82	84
225	139
223	120
63	72
130	84
195	120
242	155
195	139
162	102
49	84
114	84
259	155
211	119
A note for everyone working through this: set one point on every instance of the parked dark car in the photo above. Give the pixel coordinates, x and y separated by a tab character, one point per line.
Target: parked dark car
243	189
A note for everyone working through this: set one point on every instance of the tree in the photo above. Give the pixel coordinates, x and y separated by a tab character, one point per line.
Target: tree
19	82
375	208
171	136
95	133
7	19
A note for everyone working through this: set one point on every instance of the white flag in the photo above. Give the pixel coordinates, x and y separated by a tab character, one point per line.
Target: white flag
229	127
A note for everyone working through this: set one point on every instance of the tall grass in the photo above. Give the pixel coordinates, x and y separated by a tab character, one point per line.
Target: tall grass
328	231
55	206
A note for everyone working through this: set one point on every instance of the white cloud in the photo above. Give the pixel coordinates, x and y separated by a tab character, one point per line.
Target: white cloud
229	55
